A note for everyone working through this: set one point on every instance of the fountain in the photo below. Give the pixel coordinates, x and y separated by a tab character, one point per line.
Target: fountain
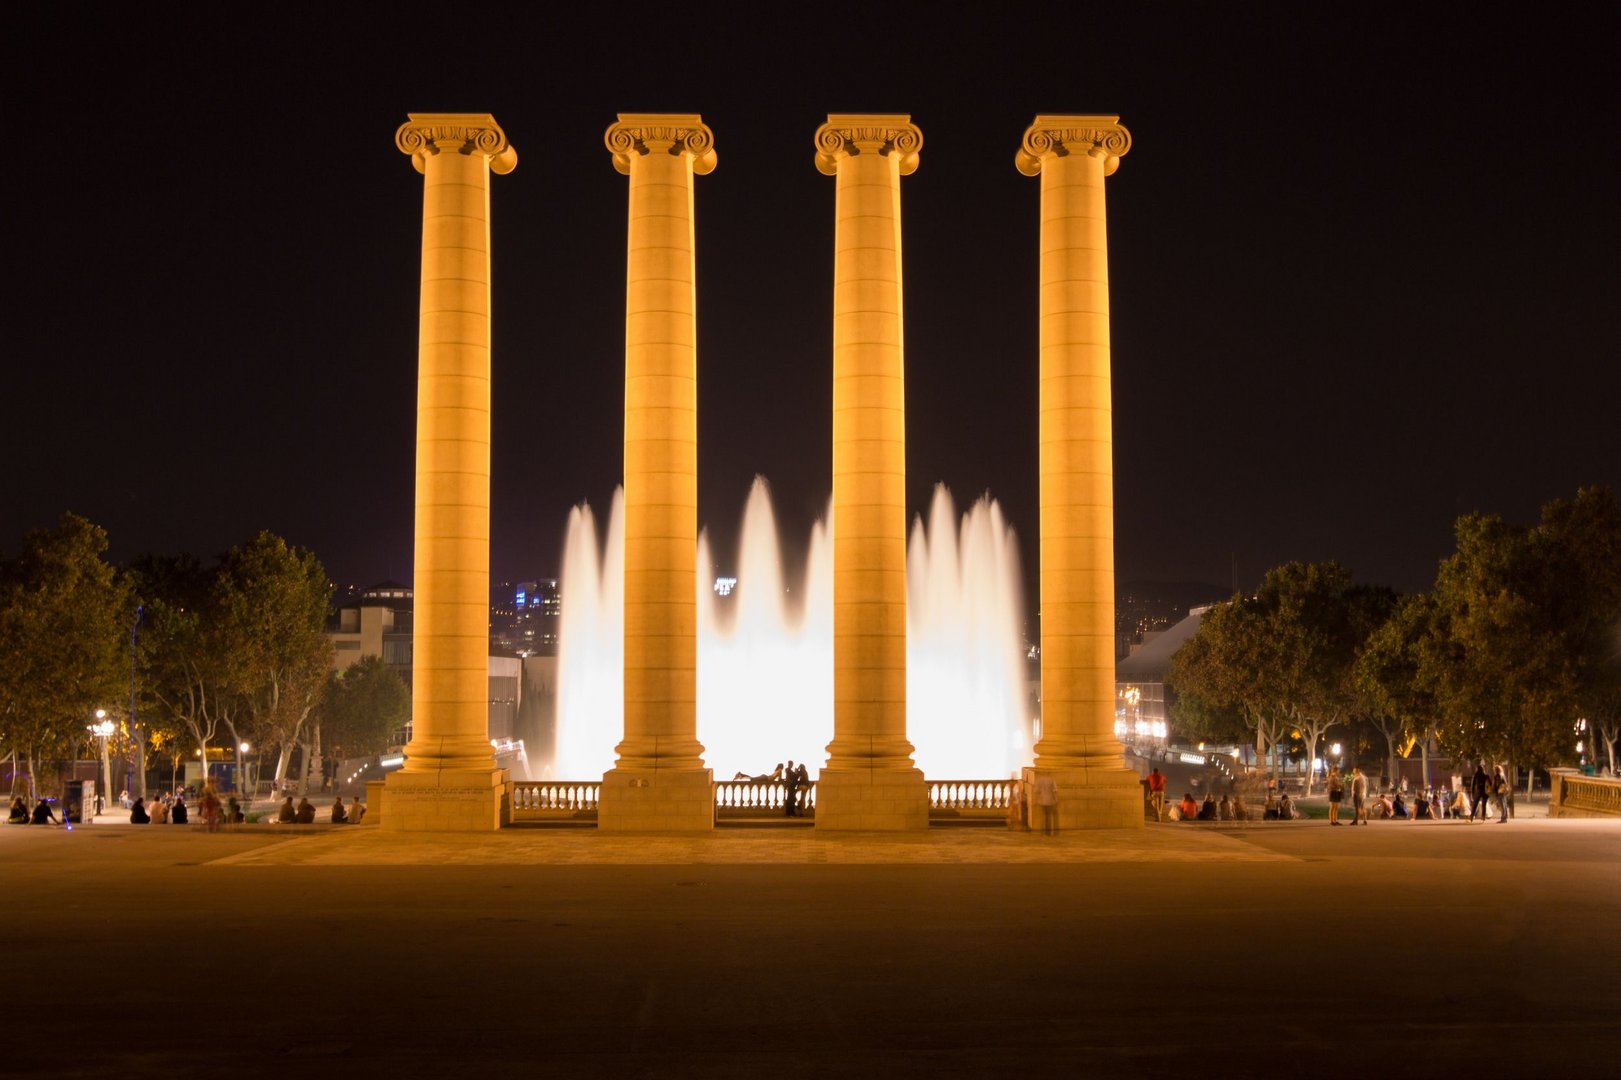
765	652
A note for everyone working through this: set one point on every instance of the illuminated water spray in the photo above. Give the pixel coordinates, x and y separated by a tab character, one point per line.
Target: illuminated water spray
765	653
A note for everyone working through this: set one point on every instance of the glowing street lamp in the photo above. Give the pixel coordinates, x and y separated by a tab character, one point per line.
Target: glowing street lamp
102	729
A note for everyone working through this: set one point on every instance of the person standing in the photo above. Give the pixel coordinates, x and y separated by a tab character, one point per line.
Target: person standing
1359	796
1336	794
1500	788
1045	795
1156	793
1478	785
790	807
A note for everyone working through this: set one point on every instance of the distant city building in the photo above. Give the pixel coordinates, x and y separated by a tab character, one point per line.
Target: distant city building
375	622
525	617
1140	708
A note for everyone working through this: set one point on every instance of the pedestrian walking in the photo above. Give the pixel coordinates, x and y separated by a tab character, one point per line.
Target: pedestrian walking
1479	784
1156	793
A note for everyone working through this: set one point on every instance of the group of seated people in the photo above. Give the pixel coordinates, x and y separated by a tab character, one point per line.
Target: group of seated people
41	814
1279	807
304	812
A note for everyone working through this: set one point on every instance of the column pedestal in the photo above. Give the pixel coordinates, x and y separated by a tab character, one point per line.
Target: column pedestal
451	800
1108	797
657	800
889	800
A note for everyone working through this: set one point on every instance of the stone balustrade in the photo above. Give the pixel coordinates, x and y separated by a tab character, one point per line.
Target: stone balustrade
576	800
760	798
969	798
554	800
1575	795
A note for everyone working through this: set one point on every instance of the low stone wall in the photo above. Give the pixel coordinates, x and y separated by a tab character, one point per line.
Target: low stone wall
1575	795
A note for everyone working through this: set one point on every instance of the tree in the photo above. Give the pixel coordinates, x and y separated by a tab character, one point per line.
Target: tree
1210	677
185	668
1398	701
62	617
1522	631
366	703
1283	658
272	601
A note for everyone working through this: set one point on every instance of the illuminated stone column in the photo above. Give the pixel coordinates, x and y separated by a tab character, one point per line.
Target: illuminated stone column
449	780
869	781
659	782
1078	749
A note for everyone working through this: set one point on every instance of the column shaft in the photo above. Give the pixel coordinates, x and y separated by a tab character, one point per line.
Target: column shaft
450	639
661	468
869	470
1077	469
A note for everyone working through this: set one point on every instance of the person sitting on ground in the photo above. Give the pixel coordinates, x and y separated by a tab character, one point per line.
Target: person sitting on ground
43	814
1269	810
1286	807
285	814
305	814
1189	808
159	811
233	812
1460	804
138	814
339	815
1240	811
1224	809
1423	809
356	811
1398	807
1383	807
177	812
19	812
1207	810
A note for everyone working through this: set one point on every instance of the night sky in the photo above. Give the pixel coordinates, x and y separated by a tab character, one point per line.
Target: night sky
1363	267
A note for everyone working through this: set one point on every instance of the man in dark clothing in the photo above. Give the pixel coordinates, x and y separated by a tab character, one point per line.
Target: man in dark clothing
1477	792
306	813
790	801
43	815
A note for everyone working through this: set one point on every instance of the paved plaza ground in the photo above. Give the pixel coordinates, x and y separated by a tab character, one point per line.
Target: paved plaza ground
1277	949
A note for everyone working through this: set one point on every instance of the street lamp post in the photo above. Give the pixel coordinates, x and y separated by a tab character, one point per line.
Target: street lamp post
102	729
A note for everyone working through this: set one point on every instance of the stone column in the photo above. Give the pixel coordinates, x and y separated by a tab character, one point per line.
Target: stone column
449	780
1077	749
659	782
869	781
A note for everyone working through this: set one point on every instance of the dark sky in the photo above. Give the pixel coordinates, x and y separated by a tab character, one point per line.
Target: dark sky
1363	267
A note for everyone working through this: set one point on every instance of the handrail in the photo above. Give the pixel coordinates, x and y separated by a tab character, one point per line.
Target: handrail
970	798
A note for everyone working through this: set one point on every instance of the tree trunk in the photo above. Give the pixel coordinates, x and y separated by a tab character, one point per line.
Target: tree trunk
33	788
139	791
283	757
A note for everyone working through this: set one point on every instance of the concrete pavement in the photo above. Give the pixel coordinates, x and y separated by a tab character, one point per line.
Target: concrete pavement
1400	949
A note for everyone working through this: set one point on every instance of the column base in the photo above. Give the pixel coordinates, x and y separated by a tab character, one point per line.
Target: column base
1109	797
887	800
441	800
657	801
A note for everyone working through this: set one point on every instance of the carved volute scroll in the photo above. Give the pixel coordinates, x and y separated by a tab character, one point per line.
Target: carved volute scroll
1057	136
426	134
661	133
868	134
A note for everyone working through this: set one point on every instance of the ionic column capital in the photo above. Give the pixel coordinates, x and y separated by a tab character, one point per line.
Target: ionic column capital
427	134
1059	136
661	133
868	133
